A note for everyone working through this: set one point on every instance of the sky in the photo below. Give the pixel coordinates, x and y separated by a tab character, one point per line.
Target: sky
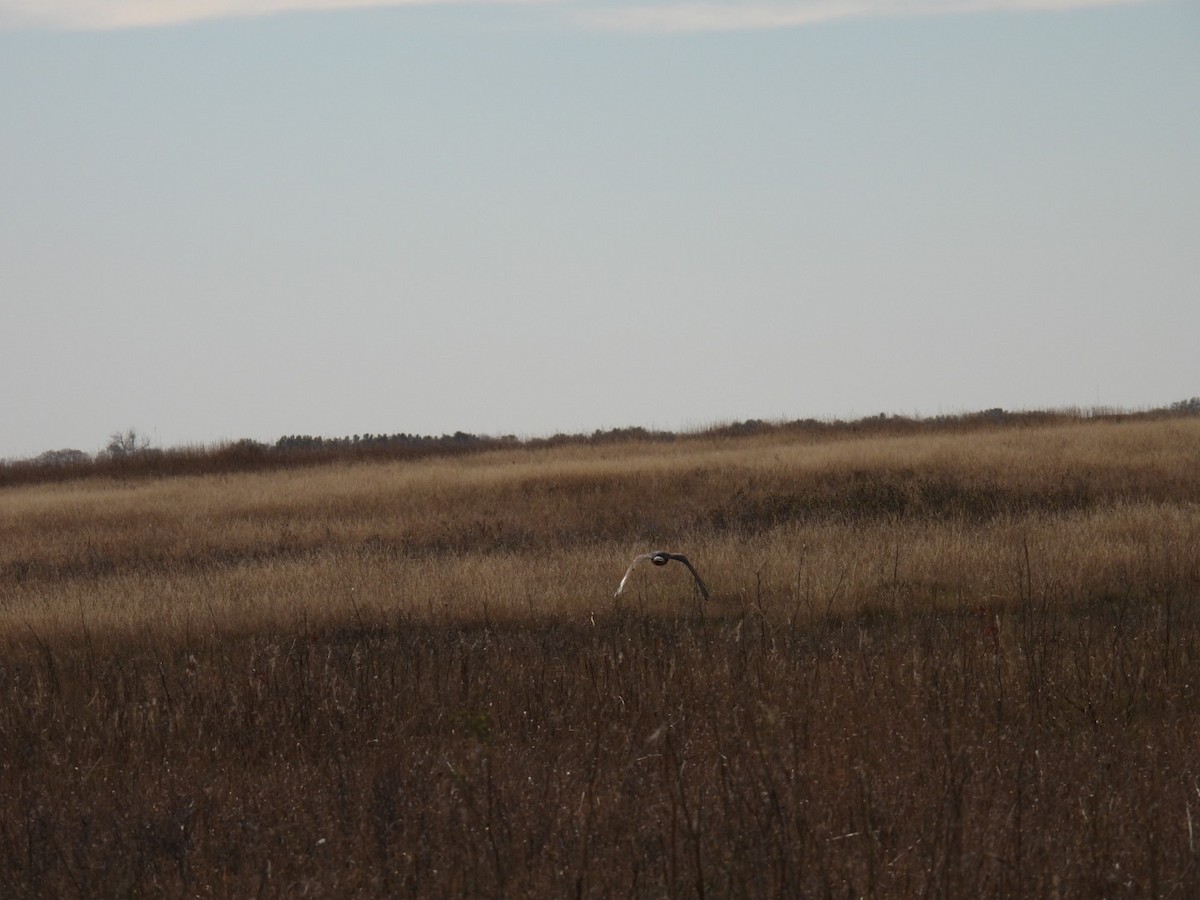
226	219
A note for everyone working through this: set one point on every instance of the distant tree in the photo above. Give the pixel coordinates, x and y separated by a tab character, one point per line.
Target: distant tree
249	447
125	444
1187	406
62	458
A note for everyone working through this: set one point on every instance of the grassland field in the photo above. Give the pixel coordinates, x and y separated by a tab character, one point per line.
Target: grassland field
943	663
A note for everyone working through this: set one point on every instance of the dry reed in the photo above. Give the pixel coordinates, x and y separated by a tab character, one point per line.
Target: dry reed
935	664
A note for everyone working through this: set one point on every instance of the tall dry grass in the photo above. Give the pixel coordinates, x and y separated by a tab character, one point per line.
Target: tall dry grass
935	664
830	525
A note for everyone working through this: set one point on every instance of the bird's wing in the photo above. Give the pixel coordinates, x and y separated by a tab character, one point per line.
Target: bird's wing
629	571
699	581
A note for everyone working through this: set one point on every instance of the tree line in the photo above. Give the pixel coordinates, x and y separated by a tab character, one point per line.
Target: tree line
130	453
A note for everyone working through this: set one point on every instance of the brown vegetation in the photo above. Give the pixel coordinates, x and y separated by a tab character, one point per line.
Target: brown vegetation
937	662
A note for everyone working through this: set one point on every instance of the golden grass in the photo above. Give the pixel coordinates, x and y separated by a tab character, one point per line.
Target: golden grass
935	664
792	526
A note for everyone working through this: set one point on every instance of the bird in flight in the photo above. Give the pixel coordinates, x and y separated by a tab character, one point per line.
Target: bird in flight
661	558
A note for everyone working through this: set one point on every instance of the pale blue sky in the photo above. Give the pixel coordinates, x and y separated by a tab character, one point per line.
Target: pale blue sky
560	216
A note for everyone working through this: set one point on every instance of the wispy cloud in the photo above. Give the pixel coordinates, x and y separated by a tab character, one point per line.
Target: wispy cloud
733	16
635	15
116	14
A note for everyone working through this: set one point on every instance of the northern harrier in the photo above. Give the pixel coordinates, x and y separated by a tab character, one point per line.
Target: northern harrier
661	558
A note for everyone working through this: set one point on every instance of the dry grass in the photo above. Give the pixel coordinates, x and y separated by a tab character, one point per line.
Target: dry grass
941	664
